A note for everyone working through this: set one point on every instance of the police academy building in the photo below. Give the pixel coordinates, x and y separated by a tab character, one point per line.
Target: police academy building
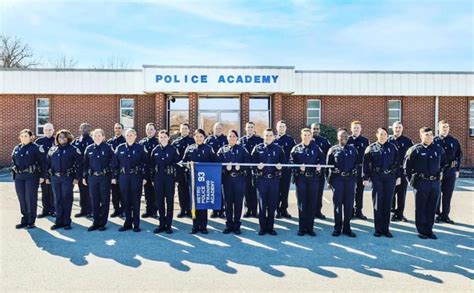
203	95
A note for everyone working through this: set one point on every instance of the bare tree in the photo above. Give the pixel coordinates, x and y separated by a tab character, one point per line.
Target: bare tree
114	62
63	62
15	54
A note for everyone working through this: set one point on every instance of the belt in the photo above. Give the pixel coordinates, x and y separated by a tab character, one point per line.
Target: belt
268	176
345	174
234	174
30	170
382	171
62	174
131	171
99	173
309	174
452	164
430	178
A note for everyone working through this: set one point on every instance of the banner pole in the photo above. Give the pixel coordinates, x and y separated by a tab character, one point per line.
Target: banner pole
193	204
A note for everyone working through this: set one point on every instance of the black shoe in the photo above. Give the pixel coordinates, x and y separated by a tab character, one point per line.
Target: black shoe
350	234
67	227
92	228
255	214
438	219
227	231
89	216
136	229
154	216
214	215
336	233
422	236
247	214
300	233
388	235
321	216
194	230
182	214
361	216
311	233
80	215
159	230
278	215
448	220
123	229
395	218
237	231
42	215
377	234
272	232
55	227
286	215
404	219
432	236
31	226
169	230
261	232
222	215
146	215
115	214
20	226
53	214
102	228
204	231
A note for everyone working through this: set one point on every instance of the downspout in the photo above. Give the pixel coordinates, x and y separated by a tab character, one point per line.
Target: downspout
436	114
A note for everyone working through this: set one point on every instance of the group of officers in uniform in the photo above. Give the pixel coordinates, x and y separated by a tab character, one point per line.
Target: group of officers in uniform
123	167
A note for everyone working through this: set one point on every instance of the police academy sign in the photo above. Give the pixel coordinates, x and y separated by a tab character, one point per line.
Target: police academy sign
219	79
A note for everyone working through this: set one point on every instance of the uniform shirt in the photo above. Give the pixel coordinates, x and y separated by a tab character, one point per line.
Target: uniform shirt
82	142
116	141
402	143
323	143
344	158
233	154
380	157
287	143
310	154
149	143
199	153
216	142
25	156
360	143
65	158
163	157
269	154
98	158
131	157
249	142
452	150
46	143
427	160
181	143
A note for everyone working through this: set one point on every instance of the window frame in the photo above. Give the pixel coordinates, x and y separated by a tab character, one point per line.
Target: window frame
127	108
471	118
308	109
219	112
37	116
390	125
169	110
269	111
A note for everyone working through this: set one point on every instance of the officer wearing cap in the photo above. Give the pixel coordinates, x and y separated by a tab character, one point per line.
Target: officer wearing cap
342	180
29	170
381	167
402	143
97	175
306	180
114	142
65	170
81	143
249	141
130	167
423	168
267	180
325	145
453	152
150	142
216	141
181	143
287	143
47	196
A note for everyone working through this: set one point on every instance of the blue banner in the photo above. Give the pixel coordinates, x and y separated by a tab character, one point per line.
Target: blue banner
206	188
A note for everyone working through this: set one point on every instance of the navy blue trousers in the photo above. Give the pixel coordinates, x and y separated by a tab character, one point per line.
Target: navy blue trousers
343	199
234	190
267	194
164	190
63	198
26	187
284	189
131	191
99	190
427	195
383	187
306	193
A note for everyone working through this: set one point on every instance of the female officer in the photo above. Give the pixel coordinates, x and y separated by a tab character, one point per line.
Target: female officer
98	175
306	180
29	170
131	170
233	180
65	168
199	152
163	173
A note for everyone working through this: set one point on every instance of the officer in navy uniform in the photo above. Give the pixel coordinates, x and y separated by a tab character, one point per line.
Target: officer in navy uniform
150	142
181	143
423	168
249	141
216	141
199	152
97	174
65	170
47	196
267	180
287	143
403	143
233	180
163	174
342	180
114	142
81	143
130	166
307	180
453	152
325	145
381	166
360	143
29	170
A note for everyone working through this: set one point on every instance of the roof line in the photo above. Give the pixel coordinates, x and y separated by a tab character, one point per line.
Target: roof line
219	66
70	69
384	71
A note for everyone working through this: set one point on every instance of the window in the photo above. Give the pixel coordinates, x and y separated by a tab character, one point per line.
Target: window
259	113
42	114
471	118
127	113
394	112
178	112
313	111
219	109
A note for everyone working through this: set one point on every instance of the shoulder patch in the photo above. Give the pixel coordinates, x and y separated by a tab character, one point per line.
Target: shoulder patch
40	148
